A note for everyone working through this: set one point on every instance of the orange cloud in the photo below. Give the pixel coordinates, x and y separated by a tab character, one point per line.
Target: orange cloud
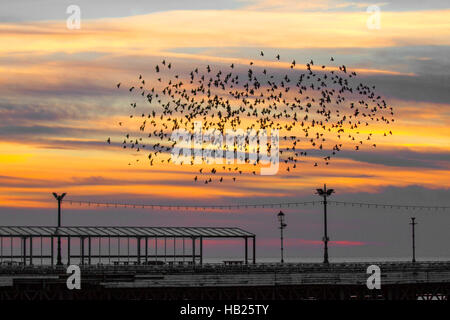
158	32
33	168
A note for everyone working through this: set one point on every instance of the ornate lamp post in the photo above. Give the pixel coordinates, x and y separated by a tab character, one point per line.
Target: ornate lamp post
325	193
59	198
413	224
282	226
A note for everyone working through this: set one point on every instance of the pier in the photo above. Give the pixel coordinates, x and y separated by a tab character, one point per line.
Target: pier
260	281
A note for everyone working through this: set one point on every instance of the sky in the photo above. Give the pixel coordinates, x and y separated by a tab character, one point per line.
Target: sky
59	104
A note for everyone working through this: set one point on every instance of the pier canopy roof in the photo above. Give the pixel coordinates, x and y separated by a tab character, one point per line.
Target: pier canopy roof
160	232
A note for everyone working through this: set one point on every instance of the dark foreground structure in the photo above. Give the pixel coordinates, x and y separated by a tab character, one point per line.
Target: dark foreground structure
166	263
399	281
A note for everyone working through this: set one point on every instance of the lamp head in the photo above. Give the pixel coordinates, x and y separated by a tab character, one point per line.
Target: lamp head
60	197
280	216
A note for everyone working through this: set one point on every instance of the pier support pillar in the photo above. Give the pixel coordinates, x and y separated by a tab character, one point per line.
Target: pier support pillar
254	250
138	250
52	240
82	250
24	248
89	251
31	251
201	250
246	250
193	250
68	250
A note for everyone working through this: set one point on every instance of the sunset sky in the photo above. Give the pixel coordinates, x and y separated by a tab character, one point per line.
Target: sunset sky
59	104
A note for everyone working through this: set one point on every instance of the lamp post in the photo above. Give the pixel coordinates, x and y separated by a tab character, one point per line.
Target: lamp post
282	226
59	198
325	193
413	224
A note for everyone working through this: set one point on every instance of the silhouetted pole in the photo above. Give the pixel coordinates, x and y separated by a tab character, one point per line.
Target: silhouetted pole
413	223
59	198
325	193
282	226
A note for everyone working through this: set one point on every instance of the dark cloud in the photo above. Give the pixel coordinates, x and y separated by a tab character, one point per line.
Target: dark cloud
31	183
38	10
426	88
401	158
402	5
393	157
413	195
35	10
430	64
24	132
44	137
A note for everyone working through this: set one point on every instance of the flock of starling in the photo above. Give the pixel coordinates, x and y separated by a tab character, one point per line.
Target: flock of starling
316	110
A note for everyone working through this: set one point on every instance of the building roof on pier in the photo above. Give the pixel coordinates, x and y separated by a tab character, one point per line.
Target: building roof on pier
160	232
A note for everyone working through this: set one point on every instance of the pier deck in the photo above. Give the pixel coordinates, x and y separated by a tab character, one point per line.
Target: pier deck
336	281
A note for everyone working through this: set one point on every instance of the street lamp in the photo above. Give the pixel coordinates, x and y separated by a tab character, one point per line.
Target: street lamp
59	198
282	226
325	193
413	223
